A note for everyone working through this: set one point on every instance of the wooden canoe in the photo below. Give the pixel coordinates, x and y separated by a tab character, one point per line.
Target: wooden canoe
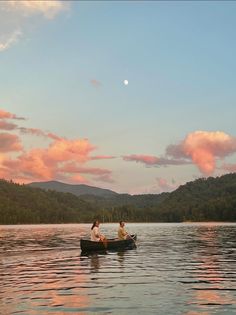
109	244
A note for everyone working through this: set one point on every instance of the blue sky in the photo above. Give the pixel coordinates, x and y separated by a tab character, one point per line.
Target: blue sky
179	59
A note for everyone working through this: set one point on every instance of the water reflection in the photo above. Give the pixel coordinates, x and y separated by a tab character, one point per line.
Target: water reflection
121	258
94	263
213	286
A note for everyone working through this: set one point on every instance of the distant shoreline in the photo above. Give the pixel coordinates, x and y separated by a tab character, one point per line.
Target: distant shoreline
127	223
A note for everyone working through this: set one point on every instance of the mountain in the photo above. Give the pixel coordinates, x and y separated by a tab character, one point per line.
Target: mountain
77	190
22	204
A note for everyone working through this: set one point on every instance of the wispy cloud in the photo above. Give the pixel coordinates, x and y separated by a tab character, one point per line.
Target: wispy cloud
17	16
49	9
5	125
8	40
38	132
150	160
230	167
160	185
4	114
102	157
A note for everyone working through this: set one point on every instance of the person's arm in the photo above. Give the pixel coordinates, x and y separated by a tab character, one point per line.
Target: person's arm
124	233
96	232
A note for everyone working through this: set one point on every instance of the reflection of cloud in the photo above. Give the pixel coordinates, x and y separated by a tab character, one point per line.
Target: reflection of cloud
209	271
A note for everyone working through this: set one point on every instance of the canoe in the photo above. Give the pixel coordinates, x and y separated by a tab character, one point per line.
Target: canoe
109	244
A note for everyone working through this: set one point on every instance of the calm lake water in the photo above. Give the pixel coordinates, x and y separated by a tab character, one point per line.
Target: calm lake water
176	269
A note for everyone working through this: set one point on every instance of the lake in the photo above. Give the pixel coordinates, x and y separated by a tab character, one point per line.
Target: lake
179	268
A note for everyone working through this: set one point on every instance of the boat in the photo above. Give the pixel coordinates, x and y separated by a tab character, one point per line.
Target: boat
108	244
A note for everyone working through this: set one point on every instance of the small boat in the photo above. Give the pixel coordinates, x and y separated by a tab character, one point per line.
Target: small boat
109	244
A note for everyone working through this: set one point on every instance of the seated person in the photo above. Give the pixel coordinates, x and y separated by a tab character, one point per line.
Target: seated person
96	236
122	233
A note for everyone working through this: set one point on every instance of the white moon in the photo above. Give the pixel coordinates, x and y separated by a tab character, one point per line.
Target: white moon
126	82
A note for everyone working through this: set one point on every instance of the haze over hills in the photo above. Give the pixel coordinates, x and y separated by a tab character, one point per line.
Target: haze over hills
77	190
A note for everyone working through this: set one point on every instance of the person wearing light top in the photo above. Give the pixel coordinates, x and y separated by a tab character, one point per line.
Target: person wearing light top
122	233
96	236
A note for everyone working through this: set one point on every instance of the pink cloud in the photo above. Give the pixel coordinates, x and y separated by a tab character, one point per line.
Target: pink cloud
78	179
105	178
62	159
95	83
74	168
9	143
4	125
4	114
69	150
203	148
164	185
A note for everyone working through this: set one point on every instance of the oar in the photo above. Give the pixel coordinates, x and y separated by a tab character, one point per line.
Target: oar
133	238
104	241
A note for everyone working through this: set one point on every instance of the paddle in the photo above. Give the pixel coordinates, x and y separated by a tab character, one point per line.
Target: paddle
104	241
132	237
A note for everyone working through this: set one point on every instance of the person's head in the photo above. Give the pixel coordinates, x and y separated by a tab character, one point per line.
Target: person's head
122	223
95	223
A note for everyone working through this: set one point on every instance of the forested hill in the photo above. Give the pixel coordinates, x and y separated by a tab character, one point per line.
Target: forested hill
202	200
77	190
24	204
211	199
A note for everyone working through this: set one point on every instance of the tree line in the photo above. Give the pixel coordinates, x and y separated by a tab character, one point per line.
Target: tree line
205	199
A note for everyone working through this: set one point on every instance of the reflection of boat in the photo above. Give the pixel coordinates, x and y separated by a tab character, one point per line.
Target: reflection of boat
108	244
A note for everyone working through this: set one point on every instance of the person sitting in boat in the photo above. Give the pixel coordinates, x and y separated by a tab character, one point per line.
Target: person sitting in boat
96	236
122	233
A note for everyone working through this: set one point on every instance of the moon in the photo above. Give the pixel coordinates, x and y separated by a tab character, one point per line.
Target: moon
126	82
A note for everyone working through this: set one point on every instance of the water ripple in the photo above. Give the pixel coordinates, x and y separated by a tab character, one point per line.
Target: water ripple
176	269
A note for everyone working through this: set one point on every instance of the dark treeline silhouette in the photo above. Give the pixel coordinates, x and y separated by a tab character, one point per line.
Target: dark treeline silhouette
211	199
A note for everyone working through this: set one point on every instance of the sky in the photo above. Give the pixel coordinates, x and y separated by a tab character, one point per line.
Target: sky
66	114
